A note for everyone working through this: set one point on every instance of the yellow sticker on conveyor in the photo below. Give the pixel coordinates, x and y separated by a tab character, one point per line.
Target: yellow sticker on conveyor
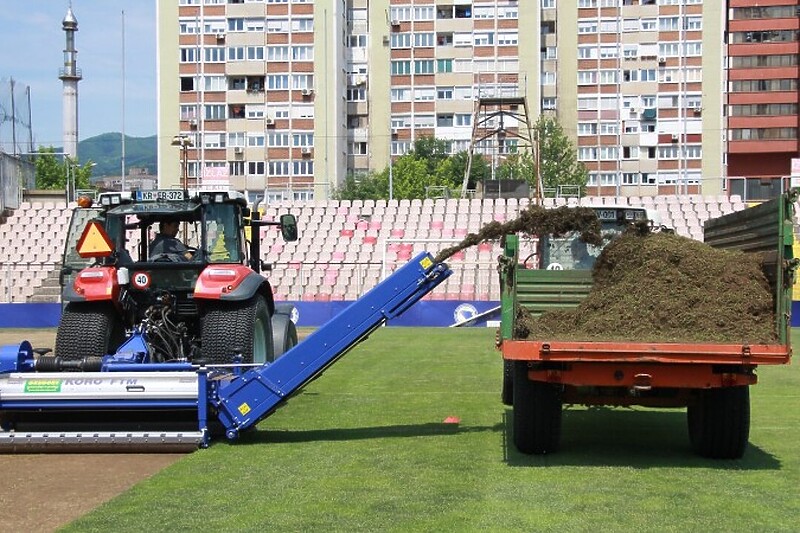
244	408
426	262
43	385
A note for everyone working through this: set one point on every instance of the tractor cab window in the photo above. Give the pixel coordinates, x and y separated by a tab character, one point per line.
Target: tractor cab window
569	253
223	244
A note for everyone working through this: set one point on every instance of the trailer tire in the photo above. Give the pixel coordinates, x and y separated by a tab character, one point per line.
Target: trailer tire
231	326
284	334
507	391
88	329
719	423
537	413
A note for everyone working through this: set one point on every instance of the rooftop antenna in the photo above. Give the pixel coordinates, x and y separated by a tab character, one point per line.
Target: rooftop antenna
122	158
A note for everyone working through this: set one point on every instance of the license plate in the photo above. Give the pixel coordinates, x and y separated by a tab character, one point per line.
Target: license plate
172	195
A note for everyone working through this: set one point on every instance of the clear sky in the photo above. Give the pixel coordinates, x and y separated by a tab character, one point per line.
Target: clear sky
32	44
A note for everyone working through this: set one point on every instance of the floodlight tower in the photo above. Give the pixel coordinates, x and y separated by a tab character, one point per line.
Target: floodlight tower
70	75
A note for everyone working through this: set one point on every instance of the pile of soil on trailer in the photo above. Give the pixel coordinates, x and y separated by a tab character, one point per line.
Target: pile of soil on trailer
535	220
661	287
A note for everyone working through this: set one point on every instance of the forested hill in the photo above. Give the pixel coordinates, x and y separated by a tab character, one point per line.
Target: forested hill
105	150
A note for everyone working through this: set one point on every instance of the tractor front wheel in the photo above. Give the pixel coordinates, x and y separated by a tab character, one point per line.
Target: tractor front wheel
244	327
88	329
284	334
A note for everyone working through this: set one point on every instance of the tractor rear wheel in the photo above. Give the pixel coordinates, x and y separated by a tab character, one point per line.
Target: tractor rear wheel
88	329
284	334
719	423
537	413
231	327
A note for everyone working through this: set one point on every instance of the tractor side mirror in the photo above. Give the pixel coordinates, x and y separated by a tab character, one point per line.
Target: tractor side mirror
289	227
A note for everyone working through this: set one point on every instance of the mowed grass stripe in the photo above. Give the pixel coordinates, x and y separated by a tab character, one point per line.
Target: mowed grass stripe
364	448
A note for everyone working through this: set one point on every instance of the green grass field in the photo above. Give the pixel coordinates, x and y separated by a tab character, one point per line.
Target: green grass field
364	448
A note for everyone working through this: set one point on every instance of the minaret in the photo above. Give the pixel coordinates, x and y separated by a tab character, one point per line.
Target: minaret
70	75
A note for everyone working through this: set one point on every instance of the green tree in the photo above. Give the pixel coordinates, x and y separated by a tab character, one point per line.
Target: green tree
558	158
427	164
52	171
480	170
363	186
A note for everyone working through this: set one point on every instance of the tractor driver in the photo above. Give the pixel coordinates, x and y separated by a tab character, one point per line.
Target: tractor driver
167	242
581	258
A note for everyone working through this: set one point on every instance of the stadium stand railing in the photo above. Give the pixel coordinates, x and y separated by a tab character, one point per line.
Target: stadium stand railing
345	247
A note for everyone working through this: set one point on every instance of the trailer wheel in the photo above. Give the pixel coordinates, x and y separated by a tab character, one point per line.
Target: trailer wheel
231	326
719	423
88	329
537	413
284	334
507	392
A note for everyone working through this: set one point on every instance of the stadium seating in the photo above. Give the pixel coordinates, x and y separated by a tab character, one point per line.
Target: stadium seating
346	247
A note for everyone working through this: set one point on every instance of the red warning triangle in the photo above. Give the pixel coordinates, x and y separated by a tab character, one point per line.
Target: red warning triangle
94	241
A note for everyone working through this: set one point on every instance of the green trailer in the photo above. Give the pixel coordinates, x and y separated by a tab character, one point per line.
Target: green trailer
710	380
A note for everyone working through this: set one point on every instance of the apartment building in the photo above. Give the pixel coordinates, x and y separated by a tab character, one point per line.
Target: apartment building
258	89
289	96
762	96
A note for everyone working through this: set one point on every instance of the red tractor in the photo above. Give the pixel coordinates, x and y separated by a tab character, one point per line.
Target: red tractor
206	301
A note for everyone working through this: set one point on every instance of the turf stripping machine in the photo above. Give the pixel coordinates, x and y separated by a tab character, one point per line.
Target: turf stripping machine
125	401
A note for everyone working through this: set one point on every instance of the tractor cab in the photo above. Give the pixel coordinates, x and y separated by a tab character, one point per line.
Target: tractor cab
177	230
569	252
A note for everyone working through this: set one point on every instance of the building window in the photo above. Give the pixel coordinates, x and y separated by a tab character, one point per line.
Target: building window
444	121
630	178
444	93
303	167
236	111
278	81
255	140
236	139
236	168
235	24
423	39
400	40
444	65
188	112
424	66
255	168
214	112
189	55
279	168
303	139
763	134
278	140
401	68
357	148
236	53
783	60
356	94
302	24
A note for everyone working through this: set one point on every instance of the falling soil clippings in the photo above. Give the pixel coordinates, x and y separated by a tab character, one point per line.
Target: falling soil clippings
661	287
535	220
